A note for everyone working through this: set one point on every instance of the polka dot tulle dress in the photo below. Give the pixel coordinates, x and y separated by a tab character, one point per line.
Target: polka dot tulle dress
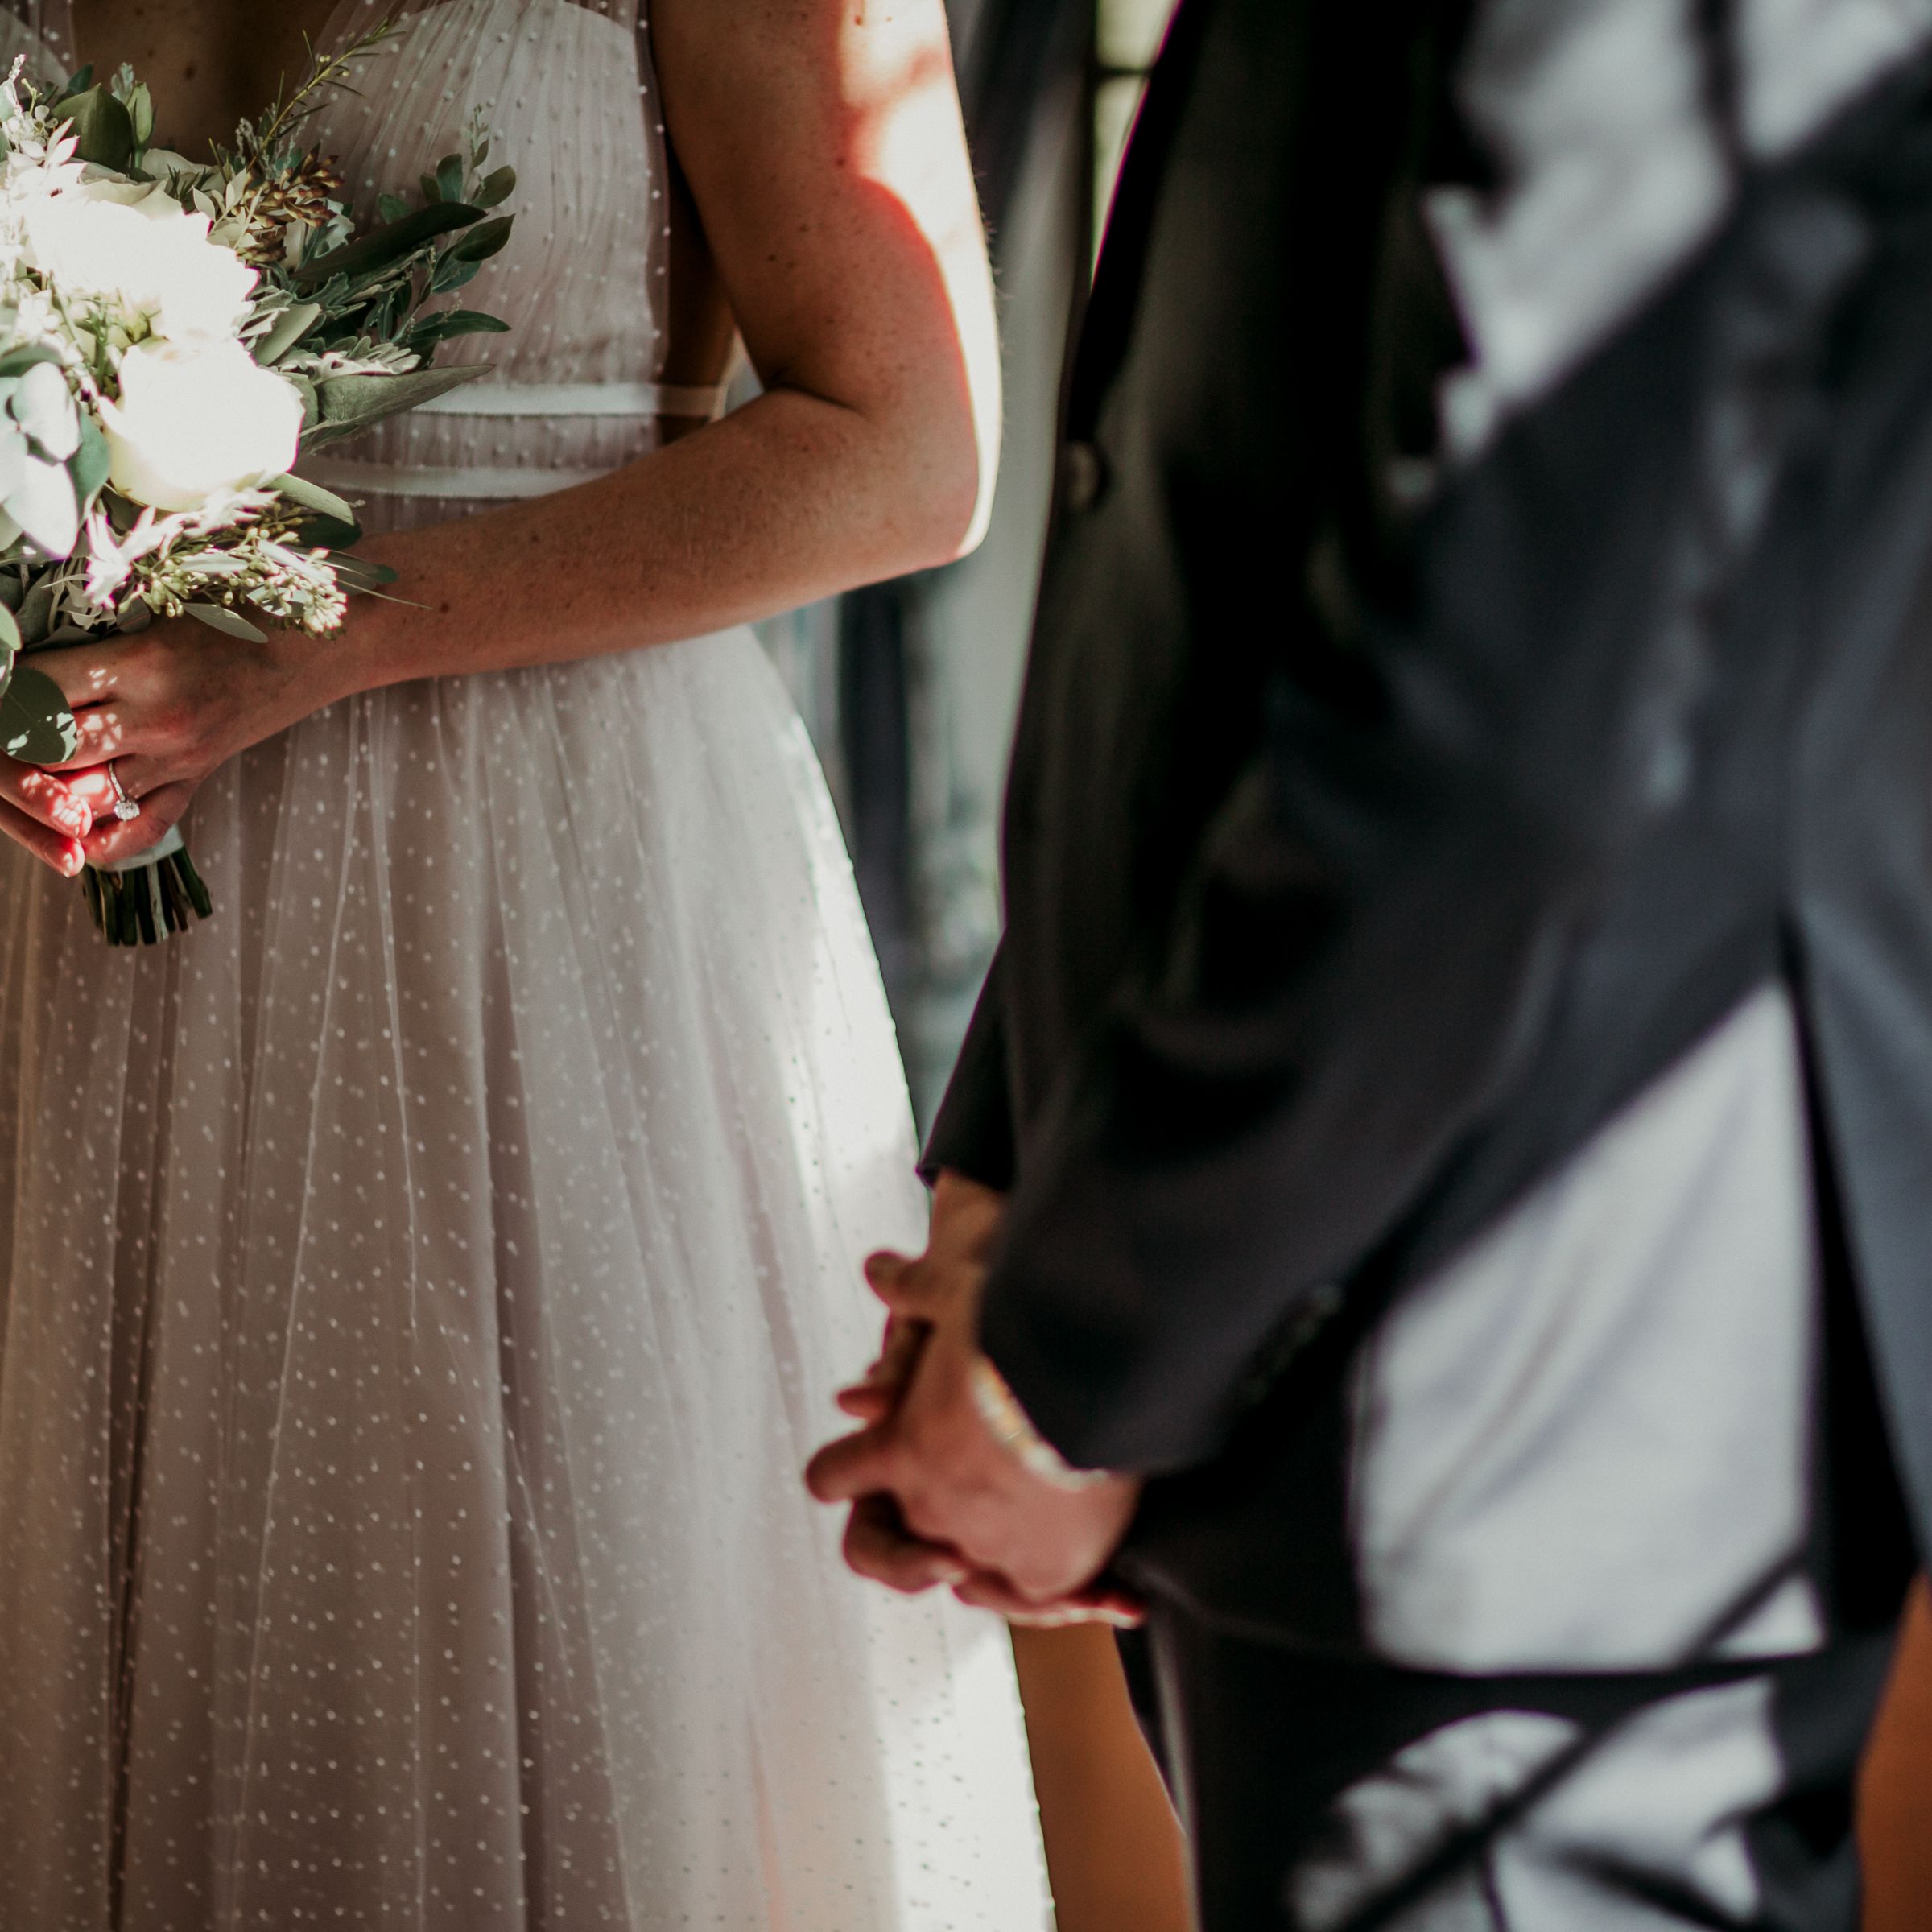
421	1284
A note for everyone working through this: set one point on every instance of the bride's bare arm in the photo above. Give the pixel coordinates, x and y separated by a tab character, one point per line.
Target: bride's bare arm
823	148
822	144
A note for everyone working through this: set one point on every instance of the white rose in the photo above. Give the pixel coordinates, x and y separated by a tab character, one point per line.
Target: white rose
164	164
102	185
133	245
193	423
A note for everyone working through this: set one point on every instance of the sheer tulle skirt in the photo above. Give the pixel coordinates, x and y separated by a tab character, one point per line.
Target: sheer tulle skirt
418	1289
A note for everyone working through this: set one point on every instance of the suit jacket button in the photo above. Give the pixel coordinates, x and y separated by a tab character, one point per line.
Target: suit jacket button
1082	476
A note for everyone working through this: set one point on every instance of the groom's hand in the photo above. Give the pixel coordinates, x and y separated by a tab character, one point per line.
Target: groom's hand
966	1221
938	1495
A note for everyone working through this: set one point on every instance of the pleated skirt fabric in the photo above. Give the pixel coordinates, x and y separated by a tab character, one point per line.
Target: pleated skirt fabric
419	1287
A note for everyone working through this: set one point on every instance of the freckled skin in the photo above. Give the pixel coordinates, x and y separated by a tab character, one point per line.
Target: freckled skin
819	181
821	142
209	62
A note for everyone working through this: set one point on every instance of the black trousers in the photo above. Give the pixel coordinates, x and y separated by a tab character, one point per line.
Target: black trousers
1326	1793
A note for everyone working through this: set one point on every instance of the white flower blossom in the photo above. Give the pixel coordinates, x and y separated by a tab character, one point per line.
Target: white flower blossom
136	250
192	424
111	555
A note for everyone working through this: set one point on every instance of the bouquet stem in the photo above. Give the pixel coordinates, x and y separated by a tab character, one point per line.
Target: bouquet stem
140	902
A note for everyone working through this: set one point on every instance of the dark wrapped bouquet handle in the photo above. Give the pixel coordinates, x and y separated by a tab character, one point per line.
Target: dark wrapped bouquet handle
141	900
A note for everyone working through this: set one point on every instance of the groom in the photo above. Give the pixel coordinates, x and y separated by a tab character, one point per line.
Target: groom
1436	1198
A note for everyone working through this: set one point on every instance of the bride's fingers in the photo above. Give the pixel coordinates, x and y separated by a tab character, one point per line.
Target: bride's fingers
886	1274
113	840
107	691
50	801
914	1291
87	674
876	1392
905	1339
52	848
879	1545
100	733
94	789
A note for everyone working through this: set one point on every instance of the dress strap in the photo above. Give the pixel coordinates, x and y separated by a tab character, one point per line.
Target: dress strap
487	399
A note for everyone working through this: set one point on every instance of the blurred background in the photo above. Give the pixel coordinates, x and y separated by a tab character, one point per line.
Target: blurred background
909	689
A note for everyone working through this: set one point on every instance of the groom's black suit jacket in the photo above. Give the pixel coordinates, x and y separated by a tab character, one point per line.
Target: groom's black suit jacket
1362	860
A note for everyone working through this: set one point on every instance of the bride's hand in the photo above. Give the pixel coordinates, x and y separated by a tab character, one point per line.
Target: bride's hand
966	1218
168	705
53	816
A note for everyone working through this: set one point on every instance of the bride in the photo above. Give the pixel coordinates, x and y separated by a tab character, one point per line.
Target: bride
415	1283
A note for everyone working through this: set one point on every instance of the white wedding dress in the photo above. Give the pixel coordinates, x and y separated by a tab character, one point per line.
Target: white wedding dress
421	1284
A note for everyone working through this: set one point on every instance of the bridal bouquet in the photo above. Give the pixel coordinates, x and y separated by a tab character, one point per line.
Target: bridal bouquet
172	336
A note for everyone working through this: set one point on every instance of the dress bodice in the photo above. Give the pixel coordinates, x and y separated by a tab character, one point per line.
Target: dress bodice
568	95
567	92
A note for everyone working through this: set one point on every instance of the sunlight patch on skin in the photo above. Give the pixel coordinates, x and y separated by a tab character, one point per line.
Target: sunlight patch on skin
906	131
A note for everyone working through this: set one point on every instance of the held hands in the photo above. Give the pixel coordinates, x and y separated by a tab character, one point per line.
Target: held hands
168	705
936	1496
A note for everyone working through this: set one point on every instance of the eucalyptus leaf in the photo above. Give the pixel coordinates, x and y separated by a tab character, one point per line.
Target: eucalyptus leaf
326	532
431	191
218	617
103	128
36	725
449	177
357	574
43	407
480	243
17	363
288	329
10	631
312	406
452	273
351	403
35	615
391	243
312	495
331	523
495	189
380	321
43	505
91	462
13	460
77	83
392	208
442	324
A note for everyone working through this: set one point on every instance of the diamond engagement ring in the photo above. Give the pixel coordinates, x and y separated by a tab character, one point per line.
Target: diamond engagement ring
125	808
